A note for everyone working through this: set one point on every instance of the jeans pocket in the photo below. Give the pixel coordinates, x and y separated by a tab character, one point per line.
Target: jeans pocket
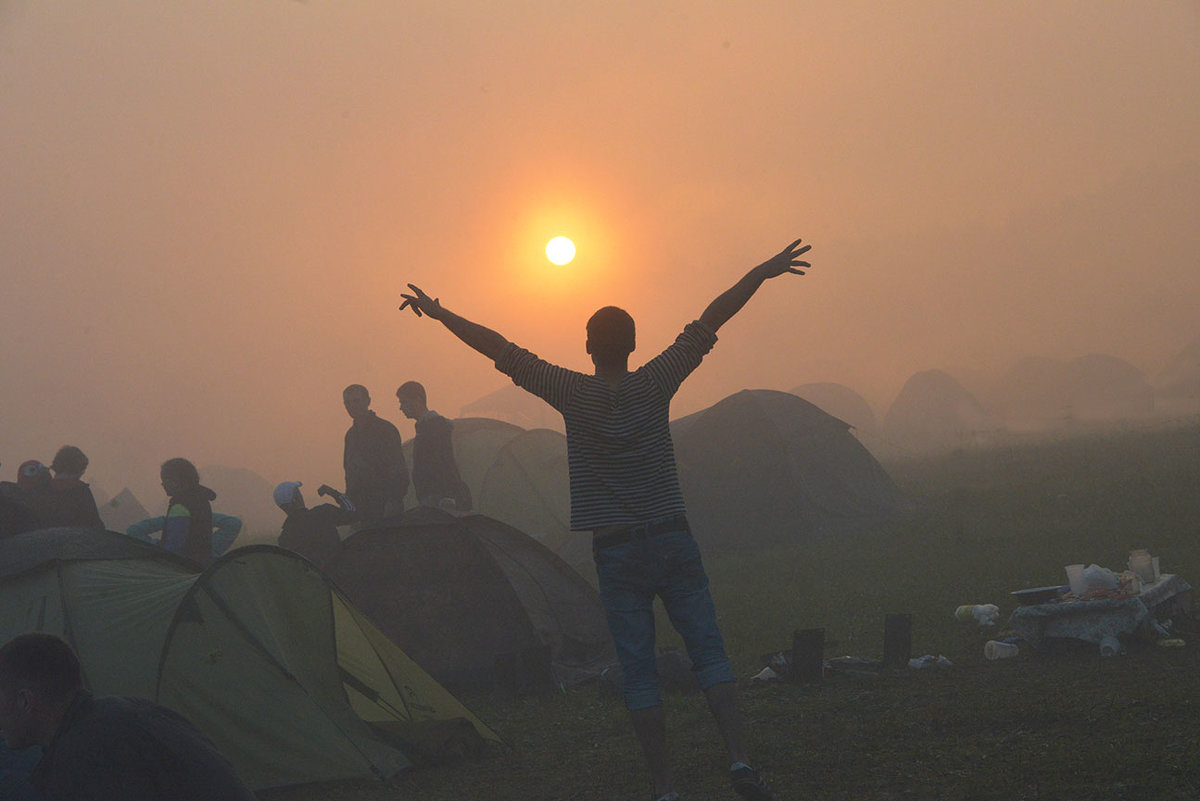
679	555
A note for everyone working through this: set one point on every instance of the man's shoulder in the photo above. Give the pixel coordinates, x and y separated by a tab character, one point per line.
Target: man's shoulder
382	424
106	715
432	421
372	424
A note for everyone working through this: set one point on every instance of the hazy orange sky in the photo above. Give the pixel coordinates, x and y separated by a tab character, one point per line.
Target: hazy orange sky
208	210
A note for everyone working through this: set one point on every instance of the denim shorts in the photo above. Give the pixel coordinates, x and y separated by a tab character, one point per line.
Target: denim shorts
668	566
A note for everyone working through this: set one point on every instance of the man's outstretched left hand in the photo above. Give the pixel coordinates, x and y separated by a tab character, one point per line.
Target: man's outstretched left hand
421	303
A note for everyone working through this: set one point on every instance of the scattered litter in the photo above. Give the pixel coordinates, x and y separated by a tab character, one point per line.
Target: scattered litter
1172	642
928	661
766	674
984	614
778	666
854	667
1099	578
994	649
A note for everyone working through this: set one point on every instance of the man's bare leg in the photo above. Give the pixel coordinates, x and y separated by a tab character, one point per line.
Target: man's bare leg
651	730
723	703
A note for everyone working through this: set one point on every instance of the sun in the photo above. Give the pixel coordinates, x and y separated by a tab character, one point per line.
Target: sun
560	250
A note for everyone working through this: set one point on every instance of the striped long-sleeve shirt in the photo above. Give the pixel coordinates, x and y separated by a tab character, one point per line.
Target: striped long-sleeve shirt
619	452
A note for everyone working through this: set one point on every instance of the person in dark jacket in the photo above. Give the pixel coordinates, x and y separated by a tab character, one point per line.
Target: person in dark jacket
313	533
435	475
15	514
102	749
225	531
69	501
15	770
376	473
187	531
23	500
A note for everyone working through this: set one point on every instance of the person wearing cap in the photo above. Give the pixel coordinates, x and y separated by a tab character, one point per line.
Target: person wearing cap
376	473
24	499
15	515
435	475
625	490
313	533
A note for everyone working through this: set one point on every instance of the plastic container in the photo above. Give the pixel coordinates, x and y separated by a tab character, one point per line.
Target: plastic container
994	649
1110	646
1075	579
1142	563
1099	578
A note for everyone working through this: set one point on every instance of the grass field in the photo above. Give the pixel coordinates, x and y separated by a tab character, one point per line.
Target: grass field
1065	725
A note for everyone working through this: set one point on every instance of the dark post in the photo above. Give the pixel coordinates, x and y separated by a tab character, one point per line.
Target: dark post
897	640
808	655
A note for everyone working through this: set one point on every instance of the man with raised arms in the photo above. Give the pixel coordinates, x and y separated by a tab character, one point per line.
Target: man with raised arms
625	490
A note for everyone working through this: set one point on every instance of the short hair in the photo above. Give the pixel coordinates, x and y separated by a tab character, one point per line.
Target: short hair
70	460
43	662
611	330
412	389
182	471
356	389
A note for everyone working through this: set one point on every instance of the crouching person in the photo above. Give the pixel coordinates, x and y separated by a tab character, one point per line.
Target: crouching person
100	749
313	533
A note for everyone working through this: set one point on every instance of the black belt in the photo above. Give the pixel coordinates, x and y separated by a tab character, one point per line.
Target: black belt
640	531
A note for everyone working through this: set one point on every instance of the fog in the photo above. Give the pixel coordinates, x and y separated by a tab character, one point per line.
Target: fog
208	210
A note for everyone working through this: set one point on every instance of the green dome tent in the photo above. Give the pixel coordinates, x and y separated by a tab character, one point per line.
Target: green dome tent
843	403
467	595
934	413
520	478
260	651
762	468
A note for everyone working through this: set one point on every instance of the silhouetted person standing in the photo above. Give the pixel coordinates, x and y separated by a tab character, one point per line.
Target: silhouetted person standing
625	490
435	474
376	473
188	527
103	749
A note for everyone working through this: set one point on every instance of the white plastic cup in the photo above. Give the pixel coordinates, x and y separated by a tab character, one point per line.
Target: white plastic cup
1076	580
994	649
1140	562
1110	646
